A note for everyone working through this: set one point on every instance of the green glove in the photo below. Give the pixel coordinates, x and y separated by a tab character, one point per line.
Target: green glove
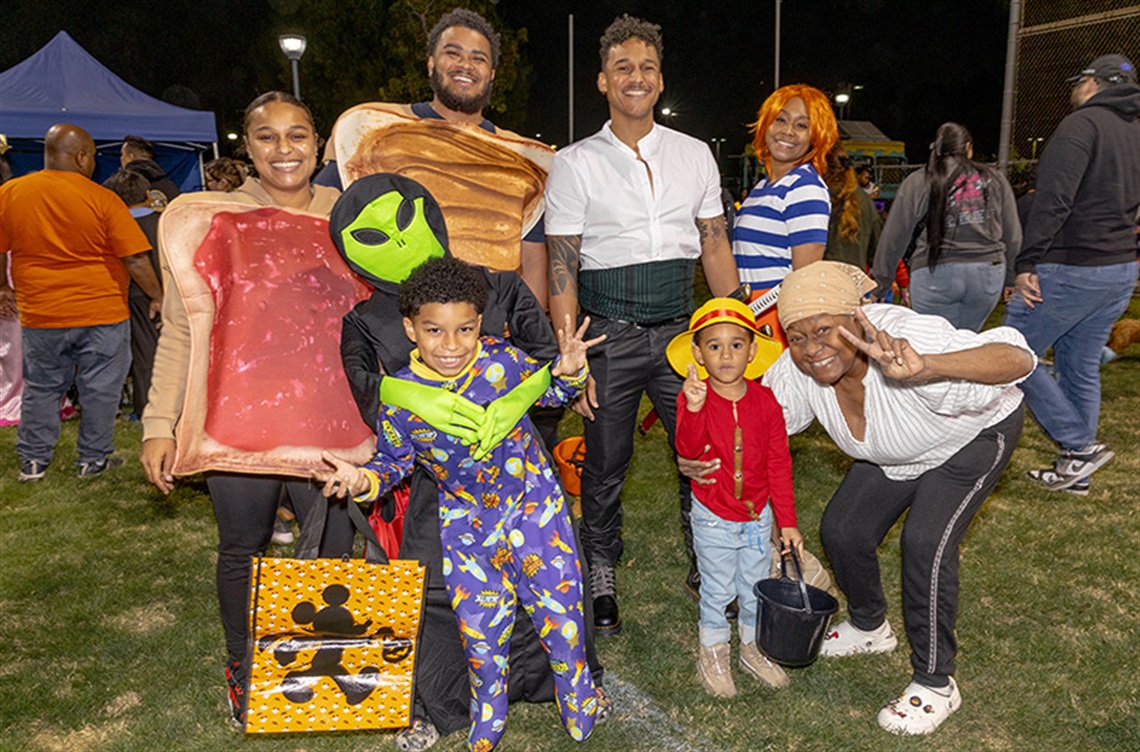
501	416
445	411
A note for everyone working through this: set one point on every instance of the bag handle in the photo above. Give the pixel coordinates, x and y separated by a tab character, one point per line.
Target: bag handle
309	544
799	576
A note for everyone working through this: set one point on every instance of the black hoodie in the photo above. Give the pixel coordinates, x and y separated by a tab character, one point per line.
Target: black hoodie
1088	186
154	173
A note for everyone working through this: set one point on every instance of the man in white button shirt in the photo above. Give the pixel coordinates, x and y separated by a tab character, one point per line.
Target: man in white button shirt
629	211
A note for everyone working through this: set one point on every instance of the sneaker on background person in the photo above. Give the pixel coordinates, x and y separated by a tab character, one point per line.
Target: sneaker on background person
92	469
1080	488
1072	468
31	471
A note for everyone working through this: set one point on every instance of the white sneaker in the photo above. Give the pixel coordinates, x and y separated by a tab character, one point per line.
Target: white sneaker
919	709
846	639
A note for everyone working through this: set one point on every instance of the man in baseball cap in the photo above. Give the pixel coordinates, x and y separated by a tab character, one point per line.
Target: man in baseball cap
1113	69
1077	266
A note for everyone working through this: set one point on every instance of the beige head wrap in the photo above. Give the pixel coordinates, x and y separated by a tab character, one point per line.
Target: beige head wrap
823	287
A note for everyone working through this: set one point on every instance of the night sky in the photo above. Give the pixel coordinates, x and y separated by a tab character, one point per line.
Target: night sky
919	62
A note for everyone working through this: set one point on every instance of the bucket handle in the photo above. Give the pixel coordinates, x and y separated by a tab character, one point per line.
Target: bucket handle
799	576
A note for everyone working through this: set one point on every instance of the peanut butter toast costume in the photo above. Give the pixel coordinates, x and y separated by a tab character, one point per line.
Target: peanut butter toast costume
489	185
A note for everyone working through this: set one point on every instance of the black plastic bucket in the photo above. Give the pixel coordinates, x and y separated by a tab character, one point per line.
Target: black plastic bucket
792	617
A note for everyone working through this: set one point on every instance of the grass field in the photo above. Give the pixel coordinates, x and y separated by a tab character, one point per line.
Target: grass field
111	640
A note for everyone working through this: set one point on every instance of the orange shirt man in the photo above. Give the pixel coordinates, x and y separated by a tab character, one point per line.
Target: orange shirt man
74	248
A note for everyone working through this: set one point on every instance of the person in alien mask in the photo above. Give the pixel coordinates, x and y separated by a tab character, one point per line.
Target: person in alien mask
385	226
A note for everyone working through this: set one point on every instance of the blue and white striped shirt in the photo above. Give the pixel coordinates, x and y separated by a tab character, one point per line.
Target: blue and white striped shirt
775	218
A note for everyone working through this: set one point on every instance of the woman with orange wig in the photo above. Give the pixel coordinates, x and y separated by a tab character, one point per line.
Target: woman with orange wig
782	225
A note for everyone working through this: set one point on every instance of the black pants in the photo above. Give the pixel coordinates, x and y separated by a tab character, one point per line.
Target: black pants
942	503
245	507
629	363
144	342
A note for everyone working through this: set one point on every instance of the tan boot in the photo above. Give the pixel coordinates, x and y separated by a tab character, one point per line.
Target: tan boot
715	669
762	669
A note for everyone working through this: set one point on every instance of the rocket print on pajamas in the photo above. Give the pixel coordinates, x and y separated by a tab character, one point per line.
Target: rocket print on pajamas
507	539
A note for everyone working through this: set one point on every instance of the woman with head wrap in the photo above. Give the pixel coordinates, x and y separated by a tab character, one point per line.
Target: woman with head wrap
931	415
782	225
961	217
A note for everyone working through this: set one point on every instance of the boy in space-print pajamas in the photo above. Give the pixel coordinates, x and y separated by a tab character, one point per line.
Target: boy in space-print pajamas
506	536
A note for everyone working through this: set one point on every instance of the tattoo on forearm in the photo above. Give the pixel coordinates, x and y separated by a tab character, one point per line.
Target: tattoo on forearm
711	229
565	256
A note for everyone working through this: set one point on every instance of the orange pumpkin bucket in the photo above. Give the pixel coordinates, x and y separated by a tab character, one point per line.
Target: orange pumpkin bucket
569	454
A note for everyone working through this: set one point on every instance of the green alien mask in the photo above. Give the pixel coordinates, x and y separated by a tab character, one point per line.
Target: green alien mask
386	225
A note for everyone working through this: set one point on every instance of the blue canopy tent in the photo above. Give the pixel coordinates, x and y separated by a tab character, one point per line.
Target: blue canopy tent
63	83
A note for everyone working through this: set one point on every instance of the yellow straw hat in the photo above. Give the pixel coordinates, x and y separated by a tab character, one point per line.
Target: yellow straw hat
721	311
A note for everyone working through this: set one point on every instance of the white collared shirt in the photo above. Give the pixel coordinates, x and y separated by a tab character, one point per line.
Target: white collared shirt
910	429
599	189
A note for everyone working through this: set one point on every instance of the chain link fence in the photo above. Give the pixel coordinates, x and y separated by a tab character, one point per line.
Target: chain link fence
1056	39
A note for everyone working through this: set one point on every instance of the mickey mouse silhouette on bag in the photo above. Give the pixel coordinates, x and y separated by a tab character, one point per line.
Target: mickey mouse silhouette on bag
328	623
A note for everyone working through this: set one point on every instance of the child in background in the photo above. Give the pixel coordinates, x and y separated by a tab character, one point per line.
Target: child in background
504	523
741	423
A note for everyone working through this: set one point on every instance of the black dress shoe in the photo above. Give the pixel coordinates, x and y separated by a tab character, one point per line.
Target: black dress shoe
607	622
732	611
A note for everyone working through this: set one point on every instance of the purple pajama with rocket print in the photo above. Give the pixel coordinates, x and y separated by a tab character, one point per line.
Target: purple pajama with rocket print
506	536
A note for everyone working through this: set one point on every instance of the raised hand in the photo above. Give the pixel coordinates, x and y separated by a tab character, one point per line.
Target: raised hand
573	347
894	355
445	411
695	390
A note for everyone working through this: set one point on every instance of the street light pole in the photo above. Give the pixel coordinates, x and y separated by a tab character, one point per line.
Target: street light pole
570	86
1007	91
293	45
776	73
841	99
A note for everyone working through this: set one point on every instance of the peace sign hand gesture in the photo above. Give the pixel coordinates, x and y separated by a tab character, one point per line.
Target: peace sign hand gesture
896	358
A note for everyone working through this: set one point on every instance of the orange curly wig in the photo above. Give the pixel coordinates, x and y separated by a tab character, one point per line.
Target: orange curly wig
823	131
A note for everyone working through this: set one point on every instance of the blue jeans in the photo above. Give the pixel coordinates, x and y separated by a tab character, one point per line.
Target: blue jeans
1080	305
963	293
731	557
97	358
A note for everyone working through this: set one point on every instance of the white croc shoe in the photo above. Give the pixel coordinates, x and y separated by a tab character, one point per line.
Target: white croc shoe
919	709
847	639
